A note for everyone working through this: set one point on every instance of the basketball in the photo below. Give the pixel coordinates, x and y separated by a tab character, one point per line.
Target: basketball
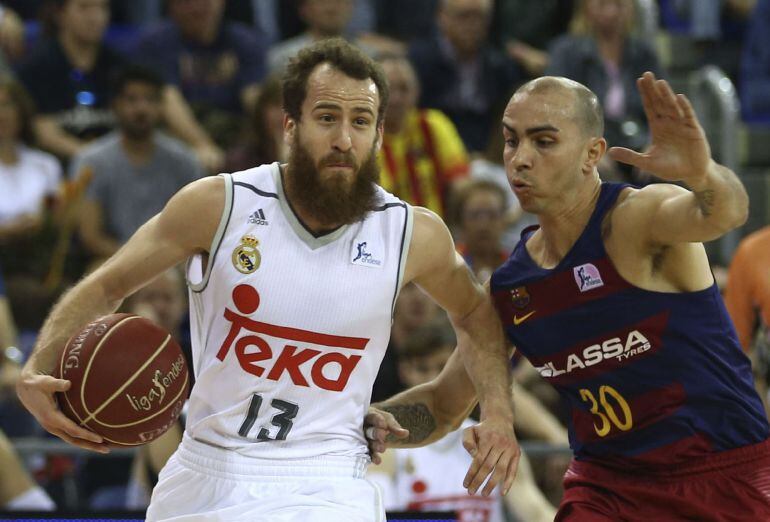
129	379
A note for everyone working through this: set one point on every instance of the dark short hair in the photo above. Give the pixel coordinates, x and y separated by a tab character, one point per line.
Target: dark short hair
342	56
24	105
134	74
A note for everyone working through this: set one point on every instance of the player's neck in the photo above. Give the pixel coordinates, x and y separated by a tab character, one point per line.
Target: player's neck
559	230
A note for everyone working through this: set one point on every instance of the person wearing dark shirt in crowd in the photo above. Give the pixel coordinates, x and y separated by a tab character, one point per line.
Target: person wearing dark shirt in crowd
134	170
216	63
755	66
68	76
461	74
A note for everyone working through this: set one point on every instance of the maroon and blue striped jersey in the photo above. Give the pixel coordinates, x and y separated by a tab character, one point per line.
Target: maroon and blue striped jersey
651	378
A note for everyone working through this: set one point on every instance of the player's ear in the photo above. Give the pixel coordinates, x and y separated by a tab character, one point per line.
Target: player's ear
289	128
596	147
380	133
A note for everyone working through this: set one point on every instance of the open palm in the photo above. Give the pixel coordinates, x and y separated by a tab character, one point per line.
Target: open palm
679	149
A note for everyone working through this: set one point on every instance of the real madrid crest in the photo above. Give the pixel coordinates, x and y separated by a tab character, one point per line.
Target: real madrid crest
246	256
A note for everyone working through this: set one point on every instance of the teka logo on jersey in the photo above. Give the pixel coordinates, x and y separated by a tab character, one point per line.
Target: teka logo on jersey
362	256
587	277
635	344
328	368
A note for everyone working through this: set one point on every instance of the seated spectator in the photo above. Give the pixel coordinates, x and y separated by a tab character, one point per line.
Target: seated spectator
134	170
430	478
29	179
755	66
479	219
420	22
263	142
18	492
11	38
525	29
413	310
163	301
602	54
324	19
68	77
460	73
216	63
422	155
747	297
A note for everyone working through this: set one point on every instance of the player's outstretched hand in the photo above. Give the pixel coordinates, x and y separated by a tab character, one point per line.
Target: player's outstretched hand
381	427
679	150
36	392
495	451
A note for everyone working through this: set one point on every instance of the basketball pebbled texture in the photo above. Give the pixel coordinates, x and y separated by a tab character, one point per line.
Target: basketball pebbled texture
129	379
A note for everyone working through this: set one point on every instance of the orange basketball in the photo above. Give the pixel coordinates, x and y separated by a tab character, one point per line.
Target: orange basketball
129	379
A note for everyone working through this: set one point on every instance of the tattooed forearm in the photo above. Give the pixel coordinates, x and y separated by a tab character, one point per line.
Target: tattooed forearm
417	418
705	199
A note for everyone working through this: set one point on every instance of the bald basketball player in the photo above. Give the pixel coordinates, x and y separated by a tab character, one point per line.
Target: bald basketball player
611	298
293	273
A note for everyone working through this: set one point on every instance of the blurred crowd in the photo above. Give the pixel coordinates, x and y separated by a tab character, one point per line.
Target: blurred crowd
107	108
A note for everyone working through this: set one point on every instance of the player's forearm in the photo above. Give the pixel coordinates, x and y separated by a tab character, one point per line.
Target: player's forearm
721	198
83	303
485	355
415	410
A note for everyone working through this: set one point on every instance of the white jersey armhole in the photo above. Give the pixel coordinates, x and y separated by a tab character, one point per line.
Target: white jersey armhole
197	278
405	242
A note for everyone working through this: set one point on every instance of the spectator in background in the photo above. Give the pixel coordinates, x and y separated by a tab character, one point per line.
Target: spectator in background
602	54
525	29
747	297
217	64
324	19
413	310
135	170
18	492
422	155
163	301
427	478
479	218
11	38
263	142
29	178
460	73
755	66
392	22
68	77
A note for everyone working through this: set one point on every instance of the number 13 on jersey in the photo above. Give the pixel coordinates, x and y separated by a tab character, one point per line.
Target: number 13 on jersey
605	412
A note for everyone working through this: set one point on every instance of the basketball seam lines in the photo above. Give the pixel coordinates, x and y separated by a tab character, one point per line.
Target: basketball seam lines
125	384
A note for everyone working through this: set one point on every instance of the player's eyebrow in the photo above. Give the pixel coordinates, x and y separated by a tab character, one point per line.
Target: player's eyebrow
532	130
336	107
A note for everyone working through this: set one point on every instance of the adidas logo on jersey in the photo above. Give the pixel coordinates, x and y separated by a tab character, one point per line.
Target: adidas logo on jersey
258	218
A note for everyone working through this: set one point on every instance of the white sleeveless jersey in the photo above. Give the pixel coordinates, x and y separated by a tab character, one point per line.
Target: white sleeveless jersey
431	479
288	329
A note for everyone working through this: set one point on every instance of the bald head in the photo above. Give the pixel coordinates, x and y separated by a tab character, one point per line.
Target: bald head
586	110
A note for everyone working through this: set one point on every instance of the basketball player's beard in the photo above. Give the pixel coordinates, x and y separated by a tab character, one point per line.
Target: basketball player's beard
333	202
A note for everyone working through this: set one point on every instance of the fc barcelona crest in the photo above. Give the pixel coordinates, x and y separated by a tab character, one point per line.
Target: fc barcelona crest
520	297
246	256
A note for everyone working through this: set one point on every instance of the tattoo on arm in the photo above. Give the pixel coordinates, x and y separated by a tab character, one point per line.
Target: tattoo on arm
417	418
705	199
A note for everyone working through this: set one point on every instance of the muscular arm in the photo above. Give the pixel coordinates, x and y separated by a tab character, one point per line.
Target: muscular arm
668	214
164	241
436	267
